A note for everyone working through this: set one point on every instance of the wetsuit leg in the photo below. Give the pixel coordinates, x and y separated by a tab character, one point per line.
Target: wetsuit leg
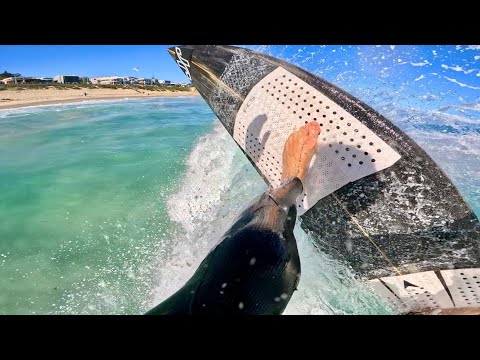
254	269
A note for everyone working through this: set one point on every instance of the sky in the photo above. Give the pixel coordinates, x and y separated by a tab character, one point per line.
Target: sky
91	60
426	76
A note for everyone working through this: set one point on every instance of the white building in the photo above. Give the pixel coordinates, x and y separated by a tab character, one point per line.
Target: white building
145	82
129	80
133	80
12	80
108	80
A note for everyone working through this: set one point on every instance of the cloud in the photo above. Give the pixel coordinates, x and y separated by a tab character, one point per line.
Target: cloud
136	69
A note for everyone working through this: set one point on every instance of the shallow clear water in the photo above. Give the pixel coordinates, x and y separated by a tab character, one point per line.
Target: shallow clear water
107	207
83	196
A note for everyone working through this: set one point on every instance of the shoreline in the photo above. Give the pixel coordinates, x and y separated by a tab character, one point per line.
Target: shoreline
43	98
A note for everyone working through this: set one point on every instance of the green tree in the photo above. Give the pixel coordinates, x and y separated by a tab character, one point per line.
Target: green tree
6	74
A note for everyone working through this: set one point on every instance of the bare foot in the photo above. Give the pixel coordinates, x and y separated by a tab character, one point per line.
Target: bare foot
299	150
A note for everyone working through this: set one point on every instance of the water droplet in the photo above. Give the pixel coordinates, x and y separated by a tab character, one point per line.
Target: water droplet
284	296
224	285
276	299
253	261
240	305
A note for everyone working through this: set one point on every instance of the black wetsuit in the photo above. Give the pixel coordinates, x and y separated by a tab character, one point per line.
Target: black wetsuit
254	269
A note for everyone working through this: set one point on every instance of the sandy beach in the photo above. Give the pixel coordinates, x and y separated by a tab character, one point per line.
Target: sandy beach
10	99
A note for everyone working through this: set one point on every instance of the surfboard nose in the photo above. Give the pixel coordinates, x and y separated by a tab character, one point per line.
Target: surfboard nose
202	63
223	75
183	56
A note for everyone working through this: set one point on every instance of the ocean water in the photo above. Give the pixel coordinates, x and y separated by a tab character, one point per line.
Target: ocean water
107	207
83	201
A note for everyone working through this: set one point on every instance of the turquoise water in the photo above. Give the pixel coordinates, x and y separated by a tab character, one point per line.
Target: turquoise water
83	195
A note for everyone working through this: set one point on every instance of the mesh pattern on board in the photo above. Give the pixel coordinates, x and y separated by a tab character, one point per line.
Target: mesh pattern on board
238	76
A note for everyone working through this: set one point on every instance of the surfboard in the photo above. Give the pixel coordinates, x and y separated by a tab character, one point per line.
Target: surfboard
373	198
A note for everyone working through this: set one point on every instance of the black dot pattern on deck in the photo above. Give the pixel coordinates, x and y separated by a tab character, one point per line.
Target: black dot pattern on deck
469	288
422	297
334	121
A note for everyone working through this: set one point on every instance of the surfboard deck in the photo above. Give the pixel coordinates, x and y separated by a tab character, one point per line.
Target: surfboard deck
403	227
